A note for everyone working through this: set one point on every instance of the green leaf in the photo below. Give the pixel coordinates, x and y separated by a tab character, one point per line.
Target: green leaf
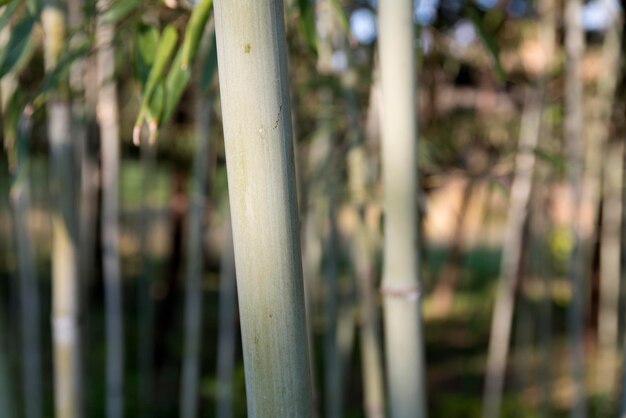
175	84
165	49
488	41
210	65
340	14
146	42
194	31
307	23
5	2
20	37
53	77
119	10
7	13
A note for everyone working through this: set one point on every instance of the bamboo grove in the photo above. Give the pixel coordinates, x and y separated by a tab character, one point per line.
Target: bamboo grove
312	208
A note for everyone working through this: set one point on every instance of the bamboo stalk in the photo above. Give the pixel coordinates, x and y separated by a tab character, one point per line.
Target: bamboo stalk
401	286
226	347
193	286
108	118
511	254
574	48
260	160
611	215
65	304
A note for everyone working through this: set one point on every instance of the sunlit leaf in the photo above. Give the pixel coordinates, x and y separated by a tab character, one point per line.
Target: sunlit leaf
194	31
165	49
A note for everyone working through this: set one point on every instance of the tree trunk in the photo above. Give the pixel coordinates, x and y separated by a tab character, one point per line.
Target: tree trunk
260	159
401	287
108	118
65	285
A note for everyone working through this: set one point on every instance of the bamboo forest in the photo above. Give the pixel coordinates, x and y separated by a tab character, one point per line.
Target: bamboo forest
312	208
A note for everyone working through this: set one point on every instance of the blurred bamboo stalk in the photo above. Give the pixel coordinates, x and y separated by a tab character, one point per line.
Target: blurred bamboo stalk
108	118
226	338
19	196
502	317
363	254
610	234
66	301
401	286
574	48
195	251
6	393
29	292
145	303
260	159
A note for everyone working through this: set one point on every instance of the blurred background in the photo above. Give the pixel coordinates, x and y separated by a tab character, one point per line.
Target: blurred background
520	109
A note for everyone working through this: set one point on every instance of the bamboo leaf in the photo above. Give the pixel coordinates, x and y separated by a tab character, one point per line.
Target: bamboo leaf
210	65
307	23
53	77
119	10
488	41
165	49
7	13
20	37
175	84
341	16
194	31
146	42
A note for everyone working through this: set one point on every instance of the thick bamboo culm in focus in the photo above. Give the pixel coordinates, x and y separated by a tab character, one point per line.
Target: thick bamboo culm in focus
261	176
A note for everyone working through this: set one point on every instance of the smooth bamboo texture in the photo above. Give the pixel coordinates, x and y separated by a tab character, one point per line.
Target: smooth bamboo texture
502	317
65	284
400	287
194	269
108	119
574	48
261	176
227	337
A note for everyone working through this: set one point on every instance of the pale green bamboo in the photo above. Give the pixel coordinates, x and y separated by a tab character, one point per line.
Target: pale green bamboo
108	119
65	285
401	287
260	160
